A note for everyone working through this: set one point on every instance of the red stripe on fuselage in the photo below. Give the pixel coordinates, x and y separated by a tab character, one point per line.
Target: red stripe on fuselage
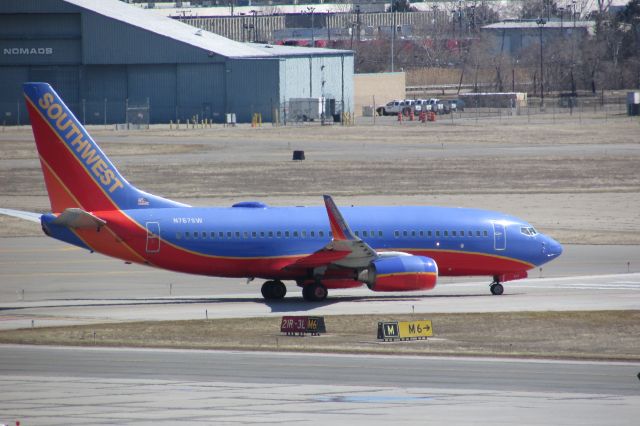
453	263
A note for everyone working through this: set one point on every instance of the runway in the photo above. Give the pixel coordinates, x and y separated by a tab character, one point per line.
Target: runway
52	385
45	282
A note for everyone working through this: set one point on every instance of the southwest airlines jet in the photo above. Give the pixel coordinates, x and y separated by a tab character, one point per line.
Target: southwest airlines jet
320	248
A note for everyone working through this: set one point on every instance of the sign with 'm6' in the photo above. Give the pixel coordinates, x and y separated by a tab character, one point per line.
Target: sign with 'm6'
415	329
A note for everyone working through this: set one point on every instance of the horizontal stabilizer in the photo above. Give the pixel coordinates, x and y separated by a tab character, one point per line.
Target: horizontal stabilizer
30	216
78	219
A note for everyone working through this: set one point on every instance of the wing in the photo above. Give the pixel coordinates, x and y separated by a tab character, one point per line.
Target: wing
30	216
345	249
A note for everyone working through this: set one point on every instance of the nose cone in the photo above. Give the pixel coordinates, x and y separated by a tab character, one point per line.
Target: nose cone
551	248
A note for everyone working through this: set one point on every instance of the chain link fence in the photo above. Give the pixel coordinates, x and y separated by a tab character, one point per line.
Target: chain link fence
554	109
140	114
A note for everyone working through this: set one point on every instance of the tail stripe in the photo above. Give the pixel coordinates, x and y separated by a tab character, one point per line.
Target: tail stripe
77	160
67	168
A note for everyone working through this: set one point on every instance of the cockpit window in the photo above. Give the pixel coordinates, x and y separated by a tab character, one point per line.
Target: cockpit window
530	231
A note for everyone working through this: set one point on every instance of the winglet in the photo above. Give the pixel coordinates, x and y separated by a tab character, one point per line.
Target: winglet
339	227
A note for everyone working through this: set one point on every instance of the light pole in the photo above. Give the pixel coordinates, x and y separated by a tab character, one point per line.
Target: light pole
541	22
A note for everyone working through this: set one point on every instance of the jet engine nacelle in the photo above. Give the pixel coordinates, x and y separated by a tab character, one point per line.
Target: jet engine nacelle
401	273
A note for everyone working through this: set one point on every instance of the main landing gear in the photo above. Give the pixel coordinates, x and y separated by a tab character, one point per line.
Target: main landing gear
315	292
273	290
496	288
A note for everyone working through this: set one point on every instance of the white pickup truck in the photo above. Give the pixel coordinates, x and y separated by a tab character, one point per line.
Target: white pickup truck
396	106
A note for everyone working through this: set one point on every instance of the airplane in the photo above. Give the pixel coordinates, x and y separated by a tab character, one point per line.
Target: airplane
321	248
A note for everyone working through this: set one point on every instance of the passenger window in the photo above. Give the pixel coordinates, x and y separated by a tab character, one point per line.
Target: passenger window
453	233
313	233
320	233
446	233
486	234
229	234
187	235
213	234
270	234
429	233
357	234
304	234
437	233
178	236
279	234
396	234
477	233
413	233
380	234
422	233
295	234
254	234
405	233
261	234
286	234
195	234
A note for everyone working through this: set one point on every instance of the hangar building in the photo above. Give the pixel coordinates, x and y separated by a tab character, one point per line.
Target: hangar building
111	61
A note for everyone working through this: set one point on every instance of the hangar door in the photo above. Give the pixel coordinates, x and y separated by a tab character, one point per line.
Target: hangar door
201	91
152	87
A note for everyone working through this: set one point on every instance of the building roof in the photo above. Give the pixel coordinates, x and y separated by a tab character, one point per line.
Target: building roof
167	27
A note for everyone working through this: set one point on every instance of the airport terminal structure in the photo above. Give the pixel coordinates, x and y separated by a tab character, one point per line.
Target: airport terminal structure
114	63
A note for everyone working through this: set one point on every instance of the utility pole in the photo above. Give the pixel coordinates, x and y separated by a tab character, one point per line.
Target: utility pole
541	22
393	32
313	30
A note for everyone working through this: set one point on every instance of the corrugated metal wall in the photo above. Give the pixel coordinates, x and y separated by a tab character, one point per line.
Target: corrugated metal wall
12	107
200	91
155	85
36	6
252	86
241	28
128	44
318	76
104	90
100	65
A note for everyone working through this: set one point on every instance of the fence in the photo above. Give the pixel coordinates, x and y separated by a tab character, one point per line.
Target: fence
142	113
555	109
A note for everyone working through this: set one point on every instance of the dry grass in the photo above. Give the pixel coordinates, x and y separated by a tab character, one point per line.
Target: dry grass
579	335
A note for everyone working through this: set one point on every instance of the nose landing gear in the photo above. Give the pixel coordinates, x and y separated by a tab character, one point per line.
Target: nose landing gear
496	288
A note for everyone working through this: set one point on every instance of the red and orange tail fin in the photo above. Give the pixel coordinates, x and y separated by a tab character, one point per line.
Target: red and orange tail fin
339	226
76	171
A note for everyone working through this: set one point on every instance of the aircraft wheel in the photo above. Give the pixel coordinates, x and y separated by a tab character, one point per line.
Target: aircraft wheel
497	289
315	292
273	290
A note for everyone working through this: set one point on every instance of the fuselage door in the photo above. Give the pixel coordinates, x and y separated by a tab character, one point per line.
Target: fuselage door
499	236
153	237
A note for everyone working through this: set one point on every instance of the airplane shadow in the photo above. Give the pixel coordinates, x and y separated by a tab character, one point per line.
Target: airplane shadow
288	304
